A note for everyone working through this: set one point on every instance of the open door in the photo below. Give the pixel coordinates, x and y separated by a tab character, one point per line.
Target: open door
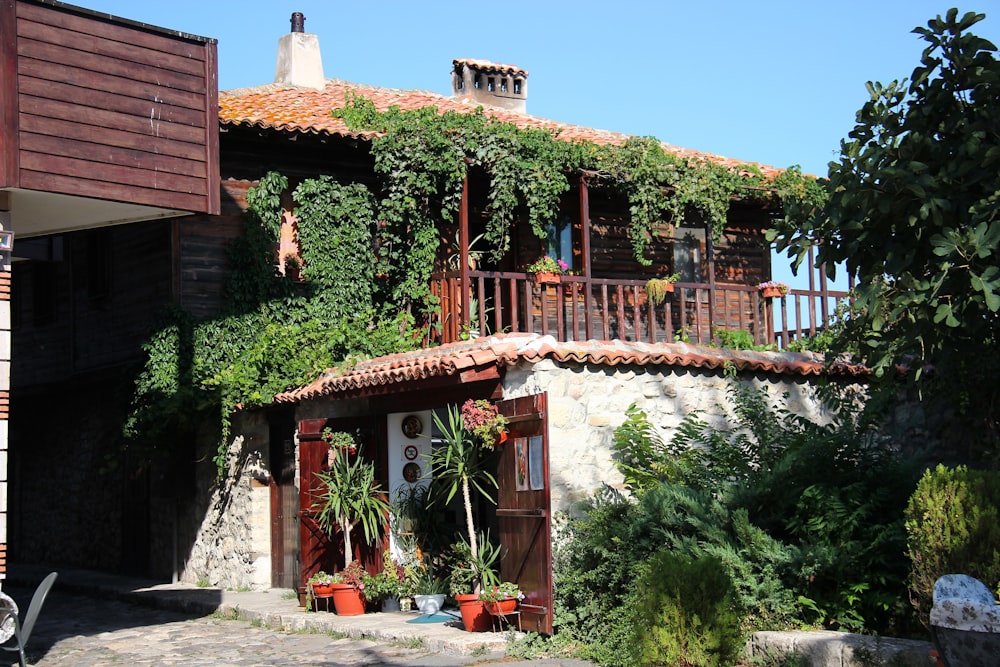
523	509
317	551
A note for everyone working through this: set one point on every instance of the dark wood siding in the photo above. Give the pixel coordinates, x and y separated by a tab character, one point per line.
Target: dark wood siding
8	96
113	110
93	305
203	265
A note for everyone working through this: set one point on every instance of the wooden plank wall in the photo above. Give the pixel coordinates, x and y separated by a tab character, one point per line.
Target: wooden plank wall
115	111
66	323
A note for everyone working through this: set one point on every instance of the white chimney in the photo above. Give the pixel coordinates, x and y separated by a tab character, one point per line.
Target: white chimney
299	61
489	83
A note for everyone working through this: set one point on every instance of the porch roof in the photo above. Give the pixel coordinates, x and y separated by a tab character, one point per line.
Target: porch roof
277	106
471	358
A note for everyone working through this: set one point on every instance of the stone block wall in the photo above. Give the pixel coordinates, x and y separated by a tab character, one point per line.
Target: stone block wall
586	403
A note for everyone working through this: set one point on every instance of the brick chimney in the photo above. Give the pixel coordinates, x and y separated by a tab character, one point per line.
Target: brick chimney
491	84
299	61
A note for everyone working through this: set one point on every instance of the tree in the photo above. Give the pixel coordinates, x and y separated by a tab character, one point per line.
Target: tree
912	214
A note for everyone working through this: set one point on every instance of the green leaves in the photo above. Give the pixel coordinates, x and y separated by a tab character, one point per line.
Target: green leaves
912	213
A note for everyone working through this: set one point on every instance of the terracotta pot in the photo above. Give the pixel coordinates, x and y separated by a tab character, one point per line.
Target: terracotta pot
474	614
348	600
501	607
771	292
322	590
543	278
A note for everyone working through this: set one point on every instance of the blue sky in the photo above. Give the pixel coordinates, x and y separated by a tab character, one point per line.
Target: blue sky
776	82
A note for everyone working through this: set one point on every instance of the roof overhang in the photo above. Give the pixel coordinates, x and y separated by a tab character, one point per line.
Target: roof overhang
34	213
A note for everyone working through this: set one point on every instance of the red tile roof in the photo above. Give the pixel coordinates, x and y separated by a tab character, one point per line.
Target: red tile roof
287	108
509	349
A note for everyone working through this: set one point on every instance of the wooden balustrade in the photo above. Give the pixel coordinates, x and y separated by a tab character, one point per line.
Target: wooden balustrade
578	308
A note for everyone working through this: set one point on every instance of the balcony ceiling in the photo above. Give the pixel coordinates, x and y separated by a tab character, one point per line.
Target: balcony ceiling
36	213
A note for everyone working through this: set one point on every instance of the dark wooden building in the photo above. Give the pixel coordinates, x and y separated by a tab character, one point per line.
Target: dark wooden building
108	134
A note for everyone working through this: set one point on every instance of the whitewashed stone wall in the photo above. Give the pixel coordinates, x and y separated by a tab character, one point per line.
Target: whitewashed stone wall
586	403
231	548
232	545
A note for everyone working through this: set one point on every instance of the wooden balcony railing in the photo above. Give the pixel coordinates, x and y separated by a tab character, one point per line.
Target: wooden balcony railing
580	309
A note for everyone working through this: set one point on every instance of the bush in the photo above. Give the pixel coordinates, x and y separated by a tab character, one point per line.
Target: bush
952	528
684	613
808	517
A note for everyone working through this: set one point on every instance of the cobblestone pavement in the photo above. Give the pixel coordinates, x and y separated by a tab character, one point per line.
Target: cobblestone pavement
86	631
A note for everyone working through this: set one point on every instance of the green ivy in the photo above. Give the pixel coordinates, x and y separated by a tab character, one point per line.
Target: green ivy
423	156
367	258
275	334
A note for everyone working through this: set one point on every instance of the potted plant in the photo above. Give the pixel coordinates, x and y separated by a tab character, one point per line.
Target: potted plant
502	598
772	288
320	585
384	588
349	496
657	289
428	592
349	590
459	465
469	576
547	270
484	420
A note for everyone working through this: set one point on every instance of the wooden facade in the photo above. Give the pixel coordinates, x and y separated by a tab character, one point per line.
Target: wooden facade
104	108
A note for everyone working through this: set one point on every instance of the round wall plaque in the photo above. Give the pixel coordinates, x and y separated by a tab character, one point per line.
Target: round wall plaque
411	472
412	426
410	452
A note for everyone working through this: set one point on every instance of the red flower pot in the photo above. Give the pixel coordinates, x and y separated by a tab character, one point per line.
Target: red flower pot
474	614
348	600
771	292
322	590
544	278
501	607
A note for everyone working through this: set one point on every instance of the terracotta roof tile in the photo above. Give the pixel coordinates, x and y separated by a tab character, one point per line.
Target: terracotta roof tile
489	66
287	108
510	349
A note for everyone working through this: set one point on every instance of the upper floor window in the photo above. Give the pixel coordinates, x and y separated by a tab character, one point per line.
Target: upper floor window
559	239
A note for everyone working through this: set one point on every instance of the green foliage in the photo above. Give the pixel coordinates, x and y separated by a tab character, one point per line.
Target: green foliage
913	215
274	335
806	517
423	155
350	496
952	526
459	464
637	449
685	607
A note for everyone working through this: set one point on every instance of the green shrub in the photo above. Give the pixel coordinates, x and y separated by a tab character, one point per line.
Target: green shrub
952	527
807	516
684	613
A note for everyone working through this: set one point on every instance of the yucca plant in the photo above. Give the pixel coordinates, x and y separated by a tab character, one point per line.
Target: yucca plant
350	496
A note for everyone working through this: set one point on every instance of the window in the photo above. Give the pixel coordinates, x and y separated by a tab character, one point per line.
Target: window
559	241
689	253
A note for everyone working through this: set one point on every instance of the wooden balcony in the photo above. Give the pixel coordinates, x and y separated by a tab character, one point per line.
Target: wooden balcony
578	308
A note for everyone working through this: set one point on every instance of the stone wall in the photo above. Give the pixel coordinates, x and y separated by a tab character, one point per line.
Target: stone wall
586	403
231	544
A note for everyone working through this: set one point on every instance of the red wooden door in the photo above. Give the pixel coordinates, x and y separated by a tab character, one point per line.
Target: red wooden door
316	550
523	509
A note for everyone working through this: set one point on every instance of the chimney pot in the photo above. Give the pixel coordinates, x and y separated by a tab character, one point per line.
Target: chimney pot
298	22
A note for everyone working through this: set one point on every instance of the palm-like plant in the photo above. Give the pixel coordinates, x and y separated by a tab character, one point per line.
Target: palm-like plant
350	496
460	465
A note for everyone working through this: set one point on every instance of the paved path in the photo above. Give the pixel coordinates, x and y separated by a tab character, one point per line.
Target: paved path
91	629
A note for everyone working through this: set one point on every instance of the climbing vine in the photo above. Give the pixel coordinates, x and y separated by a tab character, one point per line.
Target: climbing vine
423	155
367	255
